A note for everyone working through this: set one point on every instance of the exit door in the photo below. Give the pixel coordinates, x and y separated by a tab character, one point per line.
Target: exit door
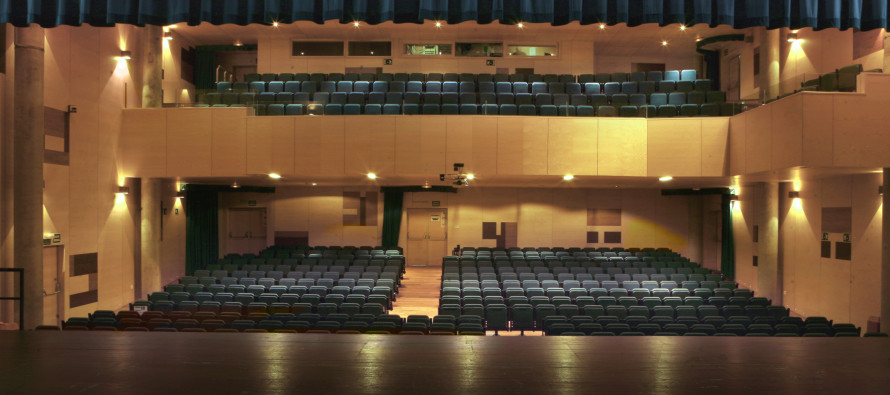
53	293
247	230
427	236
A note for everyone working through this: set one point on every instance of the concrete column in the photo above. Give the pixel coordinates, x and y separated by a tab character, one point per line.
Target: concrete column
770	73
769	284
885	254
28	169
886	53
152	64
151	236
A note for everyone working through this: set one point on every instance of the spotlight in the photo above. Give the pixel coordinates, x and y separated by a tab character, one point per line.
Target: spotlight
168	36
568	177
520	25
794	194
664	43
792	37
315	184
471	176
274	176
180	195
274	23
356	24
235	185
602	26
665	178
682	28
426	185
438	24
238	43
372	176
125	55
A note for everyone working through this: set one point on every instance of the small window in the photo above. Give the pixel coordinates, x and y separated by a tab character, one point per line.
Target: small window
531	50
494	50
370	48
427	49
318	48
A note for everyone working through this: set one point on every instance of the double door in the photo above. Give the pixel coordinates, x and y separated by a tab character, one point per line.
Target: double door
427	236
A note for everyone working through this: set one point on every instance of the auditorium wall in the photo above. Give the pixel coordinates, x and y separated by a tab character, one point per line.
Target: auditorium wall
80	200
829	210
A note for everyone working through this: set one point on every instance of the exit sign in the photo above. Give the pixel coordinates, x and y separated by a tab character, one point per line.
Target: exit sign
251	203
436	203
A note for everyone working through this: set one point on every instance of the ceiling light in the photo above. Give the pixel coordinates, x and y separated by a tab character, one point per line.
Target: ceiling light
568	177
665	178
438	24
372	52
315	184
274	176
274	23
238	43
602	26
235	185
356	24
697	39
682	28
426	185
471	176
372	176
520	25
664	43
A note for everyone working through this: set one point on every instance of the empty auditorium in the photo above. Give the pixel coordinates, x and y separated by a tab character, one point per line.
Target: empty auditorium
450	196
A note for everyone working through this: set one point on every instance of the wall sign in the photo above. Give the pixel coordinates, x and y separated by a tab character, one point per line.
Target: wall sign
251	203
436	203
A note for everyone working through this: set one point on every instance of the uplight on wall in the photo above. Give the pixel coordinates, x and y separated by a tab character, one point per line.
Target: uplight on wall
168	36
125	55
568	177
180	195
665	178
792	37
794	194
372	176
881	190
123	190
275	176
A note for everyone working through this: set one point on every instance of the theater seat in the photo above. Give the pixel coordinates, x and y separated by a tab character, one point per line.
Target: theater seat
606	111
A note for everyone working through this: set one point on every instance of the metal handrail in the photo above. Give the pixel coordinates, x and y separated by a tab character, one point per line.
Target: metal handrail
21	297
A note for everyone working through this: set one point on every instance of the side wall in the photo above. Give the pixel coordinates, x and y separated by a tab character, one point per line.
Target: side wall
840	289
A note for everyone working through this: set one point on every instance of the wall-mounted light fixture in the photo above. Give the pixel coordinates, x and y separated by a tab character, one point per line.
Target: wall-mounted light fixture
180	195
125	55
792	37
123	190
881	190
734	198
168	36
794	194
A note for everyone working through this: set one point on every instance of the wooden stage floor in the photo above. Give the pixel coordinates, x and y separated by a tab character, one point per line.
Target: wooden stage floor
260	363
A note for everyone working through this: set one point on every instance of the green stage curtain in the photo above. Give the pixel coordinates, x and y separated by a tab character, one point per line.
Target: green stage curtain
392	217
201	229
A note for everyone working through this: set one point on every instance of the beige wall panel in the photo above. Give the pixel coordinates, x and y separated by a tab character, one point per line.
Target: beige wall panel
326	217
865	282
332	146
188	135
282	148
860	132
637	211
459	142
737	144
620	150
572	144
758	148
714	146
817	130
172	262
57	68
409	137
510	145
465	215
291	209
370	145
742	230
143	146
787	132
308	150
259	144
835	191
675	147
499	205
536	218
485	146
228	139
569	213
433	146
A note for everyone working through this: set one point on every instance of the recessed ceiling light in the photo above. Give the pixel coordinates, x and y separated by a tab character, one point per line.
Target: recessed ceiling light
664	43
602	26
356	24
470	176
665	178
520	25
372	176
682	28
568	177
274	176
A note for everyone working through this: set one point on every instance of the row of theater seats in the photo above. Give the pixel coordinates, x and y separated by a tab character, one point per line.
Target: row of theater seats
516	88
671	75
843	80
361	323
604	251
332	252
628	111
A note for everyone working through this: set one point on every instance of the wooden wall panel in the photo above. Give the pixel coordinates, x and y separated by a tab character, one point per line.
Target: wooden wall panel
572	146
787	133
758	146
143	147
622	147
259	144
188	134
228	153
714	147
370	144
675	147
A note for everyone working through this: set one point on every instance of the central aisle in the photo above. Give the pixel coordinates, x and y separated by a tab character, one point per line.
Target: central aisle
419	293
